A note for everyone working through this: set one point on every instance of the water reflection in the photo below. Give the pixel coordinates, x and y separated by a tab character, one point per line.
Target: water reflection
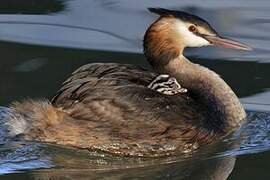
218	169
79	164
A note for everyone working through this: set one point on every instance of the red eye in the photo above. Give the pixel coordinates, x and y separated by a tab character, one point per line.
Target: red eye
192	28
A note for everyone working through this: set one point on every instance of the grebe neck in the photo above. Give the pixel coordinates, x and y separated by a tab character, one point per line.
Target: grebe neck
226	111
163	48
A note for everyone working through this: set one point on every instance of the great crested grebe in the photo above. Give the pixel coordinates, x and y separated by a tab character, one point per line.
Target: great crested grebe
123	109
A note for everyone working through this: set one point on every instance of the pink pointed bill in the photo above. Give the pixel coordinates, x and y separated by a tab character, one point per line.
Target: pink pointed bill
227	43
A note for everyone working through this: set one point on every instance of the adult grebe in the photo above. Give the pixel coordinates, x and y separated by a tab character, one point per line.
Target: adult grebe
123	109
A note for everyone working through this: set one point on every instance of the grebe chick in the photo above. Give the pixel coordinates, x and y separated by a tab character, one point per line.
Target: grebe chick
125	110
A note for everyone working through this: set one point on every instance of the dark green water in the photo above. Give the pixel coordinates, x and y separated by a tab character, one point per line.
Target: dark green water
41	43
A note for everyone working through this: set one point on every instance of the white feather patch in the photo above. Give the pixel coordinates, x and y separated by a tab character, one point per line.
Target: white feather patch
11	124
190	39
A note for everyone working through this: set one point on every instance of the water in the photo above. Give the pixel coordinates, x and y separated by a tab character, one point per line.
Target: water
41	43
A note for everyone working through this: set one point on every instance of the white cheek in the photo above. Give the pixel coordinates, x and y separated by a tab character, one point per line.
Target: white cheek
190	39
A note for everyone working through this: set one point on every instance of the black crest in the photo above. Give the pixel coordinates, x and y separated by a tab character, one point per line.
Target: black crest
184	16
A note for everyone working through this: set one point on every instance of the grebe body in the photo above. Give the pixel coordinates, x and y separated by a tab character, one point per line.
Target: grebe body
123	109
